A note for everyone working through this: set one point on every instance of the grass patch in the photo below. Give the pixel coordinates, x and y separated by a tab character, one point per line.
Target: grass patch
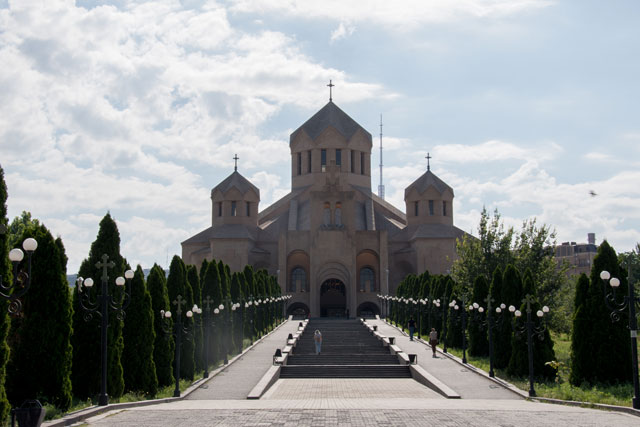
618	394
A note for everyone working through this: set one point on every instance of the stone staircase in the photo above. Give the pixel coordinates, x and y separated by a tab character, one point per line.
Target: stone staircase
349	350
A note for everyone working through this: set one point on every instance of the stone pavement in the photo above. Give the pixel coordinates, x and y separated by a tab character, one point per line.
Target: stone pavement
352	388
465	382
353	402
237	380
363	413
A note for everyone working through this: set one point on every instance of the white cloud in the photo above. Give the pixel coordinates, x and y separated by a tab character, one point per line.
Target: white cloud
343	31
494	150
120	108
412	14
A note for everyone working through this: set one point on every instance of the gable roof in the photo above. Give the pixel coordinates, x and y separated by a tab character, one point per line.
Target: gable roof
238	181
330	115
428	179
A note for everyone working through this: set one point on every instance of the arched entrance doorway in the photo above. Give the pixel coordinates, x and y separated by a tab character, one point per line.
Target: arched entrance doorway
298	310
333	298
367	310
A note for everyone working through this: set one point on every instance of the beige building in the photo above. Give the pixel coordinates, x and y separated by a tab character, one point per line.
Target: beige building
333	244
577	257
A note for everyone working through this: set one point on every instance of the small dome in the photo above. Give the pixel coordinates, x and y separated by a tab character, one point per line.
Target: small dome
428	179
235	180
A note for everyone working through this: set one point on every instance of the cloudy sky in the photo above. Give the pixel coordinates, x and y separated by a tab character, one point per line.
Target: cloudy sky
137	107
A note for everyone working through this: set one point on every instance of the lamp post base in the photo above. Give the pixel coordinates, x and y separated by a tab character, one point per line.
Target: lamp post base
103	400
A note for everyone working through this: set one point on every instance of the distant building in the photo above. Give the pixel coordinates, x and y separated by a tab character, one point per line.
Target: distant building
333	244
579	256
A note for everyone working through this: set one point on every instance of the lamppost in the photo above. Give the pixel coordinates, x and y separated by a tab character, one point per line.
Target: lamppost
490	322
248	305
463	322
101	306
177	331
532	330
235	312
206	302
628	301
21	280
415	307
421	302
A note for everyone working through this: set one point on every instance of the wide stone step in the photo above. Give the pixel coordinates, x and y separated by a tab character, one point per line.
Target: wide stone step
347	359
333	371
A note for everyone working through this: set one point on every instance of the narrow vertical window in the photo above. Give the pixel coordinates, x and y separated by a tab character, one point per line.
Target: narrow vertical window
415	208
323	160
248	208
430	207
299	163
219	208
233	208
338	157
362	163
444	208
309	163
353	161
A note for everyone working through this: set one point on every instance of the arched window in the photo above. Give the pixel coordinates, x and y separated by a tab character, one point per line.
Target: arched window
338	214
367	280
298	280
326	215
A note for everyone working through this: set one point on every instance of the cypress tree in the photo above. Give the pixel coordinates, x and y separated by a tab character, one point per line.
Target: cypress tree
542	349
177	285
163	345
86	339
195	282
478	340
502	331
6	277
139	335
40	364
581	336
511	295
211	288
611	353
187	359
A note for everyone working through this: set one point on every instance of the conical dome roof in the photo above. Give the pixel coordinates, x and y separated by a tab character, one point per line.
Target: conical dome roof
428	179
330	115
238	181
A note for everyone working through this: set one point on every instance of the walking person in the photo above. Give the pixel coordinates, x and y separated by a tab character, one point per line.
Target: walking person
433	340
317	338
412	328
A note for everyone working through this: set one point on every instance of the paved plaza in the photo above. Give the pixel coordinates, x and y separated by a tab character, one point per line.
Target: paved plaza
221	401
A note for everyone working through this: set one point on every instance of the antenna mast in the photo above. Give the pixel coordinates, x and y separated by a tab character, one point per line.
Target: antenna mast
381	186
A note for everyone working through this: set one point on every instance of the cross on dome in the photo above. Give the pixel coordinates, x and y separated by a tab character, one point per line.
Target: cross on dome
331	85
235	167
428	157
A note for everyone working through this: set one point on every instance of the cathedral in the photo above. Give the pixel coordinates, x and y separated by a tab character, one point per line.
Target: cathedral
332	243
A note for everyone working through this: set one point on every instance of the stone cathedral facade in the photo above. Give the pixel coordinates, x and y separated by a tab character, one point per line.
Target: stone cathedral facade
333	244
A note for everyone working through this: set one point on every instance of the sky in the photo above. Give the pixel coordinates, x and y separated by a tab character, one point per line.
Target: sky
137	108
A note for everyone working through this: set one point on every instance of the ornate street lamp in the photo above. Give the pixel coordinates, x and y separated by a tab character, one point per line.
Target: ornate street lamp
629	302
101	306
490	322
177	331
21	280
532	329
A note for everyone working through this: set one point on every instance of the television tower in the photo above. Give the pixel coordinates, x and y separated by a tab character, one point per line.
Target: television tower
381	186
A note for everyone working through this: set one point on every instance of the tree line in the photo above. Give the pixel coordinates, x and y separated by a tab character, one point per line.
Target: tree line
506	269
50	352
